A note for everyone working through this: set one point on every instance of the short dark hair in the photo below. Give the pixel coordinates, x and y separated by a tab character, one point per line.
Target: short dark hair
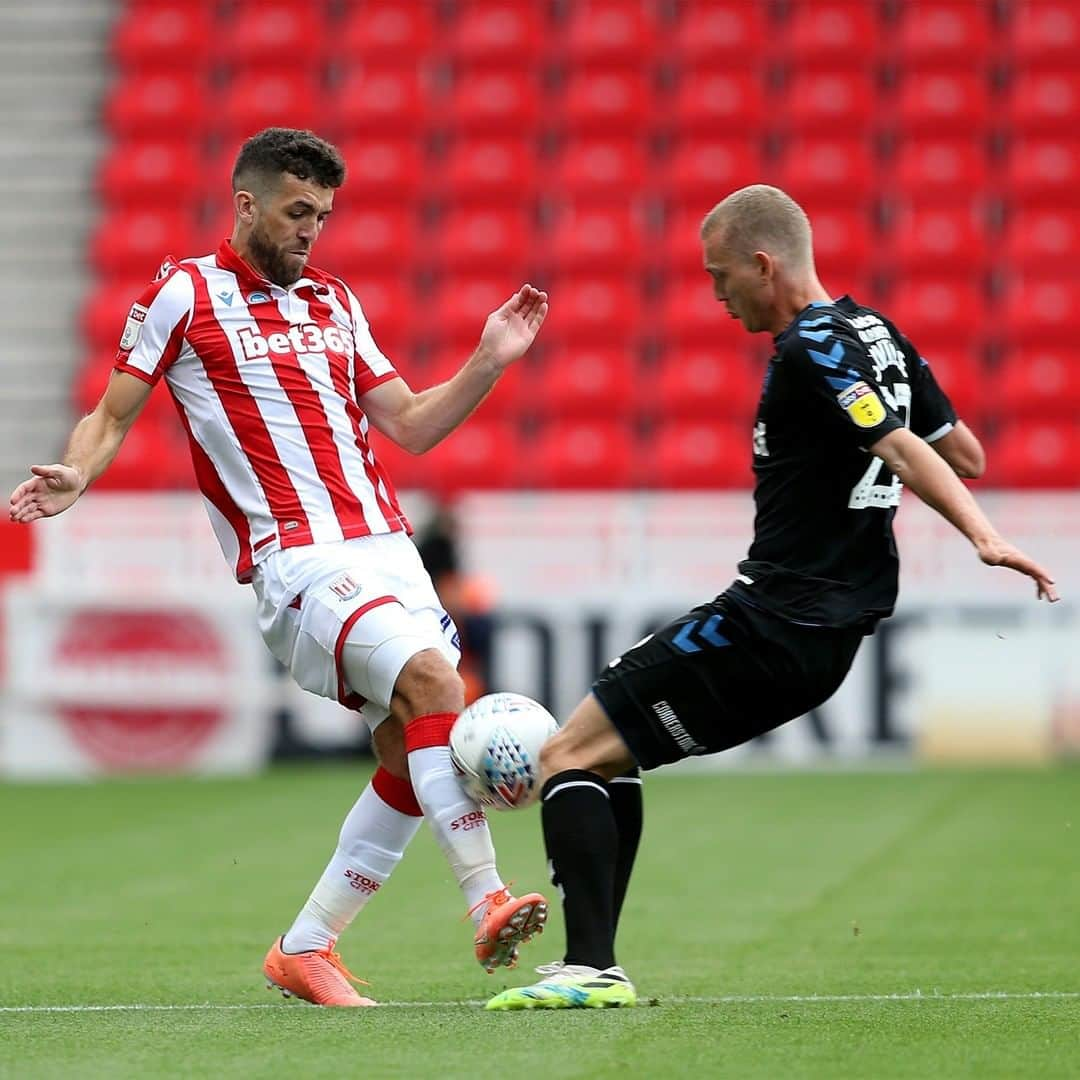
273	151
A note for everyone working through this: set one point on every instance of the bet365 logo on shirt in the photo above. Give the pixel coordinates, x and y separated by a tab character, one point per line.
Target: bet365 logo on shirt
305	338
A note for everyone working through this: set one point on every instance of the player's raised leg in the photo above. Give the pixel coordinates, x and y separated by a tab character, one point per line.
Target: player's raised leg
428	696
582	841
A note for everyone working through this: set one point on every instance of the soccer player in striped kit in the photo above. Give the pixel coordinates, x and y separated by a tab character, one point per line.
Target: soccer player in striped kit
276	378
849	412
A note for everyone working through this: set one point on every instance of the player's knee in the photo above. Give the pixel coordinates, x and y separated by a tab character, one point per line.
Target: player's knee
428	683
388	741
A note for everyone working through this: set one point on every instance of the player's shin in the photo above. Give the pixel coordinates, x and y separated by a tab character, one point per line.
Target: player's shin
459	825
626	806
373	838
581	839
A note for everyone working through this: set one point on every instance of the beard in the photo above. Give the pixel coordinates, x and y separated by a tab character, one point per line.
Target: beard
271	260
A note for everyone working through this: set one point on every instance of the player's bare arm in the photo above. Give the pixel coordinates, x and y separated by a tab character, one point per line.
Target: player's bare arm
928	475
93	445
417	421
963	451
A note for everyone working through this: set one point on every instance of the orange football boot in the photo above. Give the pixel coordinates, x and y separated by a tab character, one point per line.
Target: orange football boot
509	921
319	976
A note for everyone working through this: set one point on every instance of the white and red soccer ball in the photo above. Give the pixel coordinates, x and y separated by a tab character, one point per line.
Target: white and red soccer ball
495	749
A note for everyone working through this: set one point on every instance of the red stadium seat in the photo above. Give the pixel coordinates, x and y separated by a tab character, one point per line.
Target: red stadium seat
368	238
584	382
155	456
106	307
1043	240
149	173
1044	102
387	32
602	102
829	171
829	101
584	455
691	315
388	306
679	252
382	170
940	171
960	374
462	303
701	171
135	243
941	240
488	172
1040	384
595	239
492	34
700	382
1035	455
274	34
939	311
717	104
943	103
833	34
1045	170
698	455
259	99
598	170
495	103
173	34
725	33
844	243
1046	33
407	472
483	240
946	34
1039	310
607	33
156	104
482	454
512	396
594	310
385	100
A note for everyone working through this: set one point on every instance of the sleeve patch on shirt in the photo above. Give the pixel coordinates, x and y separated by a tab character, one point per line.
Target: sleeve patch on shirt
862	404
133	327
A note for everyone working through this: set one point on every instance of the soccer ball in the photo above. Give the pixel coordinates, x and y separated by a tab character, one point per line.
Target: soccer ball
495	749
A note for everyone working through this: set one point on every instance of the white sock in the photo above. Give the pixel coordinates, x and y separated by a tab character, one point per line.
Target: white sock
459	824
373	838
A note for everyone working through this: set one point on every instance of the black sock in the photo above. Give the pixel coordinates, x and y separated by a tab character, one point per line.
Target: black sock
581	841
625	794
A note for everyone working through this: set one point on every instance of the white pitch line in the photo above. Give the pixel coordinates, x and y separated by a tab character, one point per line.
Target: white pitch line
726	999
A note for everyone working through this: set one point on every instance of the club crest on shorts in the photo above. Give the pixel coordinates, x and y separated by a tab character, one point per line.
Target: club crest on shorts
862	404
343	587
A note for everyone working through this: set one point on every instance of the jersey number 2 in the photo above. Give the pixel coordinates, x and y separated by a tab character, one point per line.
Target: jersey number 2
869	491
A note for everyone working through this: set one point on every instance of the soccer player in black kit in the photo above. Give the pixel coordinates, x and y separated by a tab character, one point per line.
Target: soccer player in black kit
849	412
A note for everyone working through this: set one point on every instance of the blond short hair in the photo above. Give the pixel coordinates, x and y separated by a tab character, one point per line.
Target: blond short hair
762	218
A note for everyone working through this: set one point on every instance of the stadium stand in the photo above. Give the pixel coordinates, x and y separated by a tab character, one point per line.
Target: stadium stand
934	145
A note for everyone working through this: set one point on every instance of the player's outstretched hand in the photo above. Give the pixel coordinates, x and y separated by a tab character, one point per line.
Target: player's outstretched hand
1000	552
51	490
510	330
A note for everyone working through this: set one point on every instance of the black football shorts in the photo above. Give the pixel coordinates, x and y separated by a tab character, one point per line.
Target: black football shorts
718	676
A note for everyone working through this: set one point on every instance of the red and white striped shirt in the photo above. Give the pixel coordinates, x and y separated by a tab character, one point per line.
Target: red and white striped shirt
267	381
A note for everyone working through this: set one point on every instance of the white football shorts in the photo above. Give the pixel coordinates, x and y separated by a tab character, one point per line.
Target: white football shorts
372	591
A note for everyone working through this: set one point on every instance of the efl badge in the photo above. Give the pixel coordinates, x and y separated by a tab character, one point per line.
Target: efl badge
862	405
344	587
133	327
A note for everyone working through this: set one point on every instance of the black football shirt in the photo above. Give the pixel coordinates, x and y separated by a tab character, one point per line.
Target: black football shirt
823	551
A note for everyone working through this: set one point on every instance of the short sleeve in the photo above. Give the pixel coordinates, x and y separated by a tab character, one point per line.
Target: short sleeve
372	367
156	324
932	413
840	379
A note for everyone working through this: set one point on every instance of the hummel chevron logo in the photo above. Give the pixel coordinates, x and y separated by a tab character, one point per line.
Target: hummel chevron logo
684	642
227	297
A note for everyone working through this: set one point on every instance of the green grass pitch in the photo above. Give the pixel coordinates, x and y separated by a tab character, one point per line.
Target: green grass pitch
922	924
